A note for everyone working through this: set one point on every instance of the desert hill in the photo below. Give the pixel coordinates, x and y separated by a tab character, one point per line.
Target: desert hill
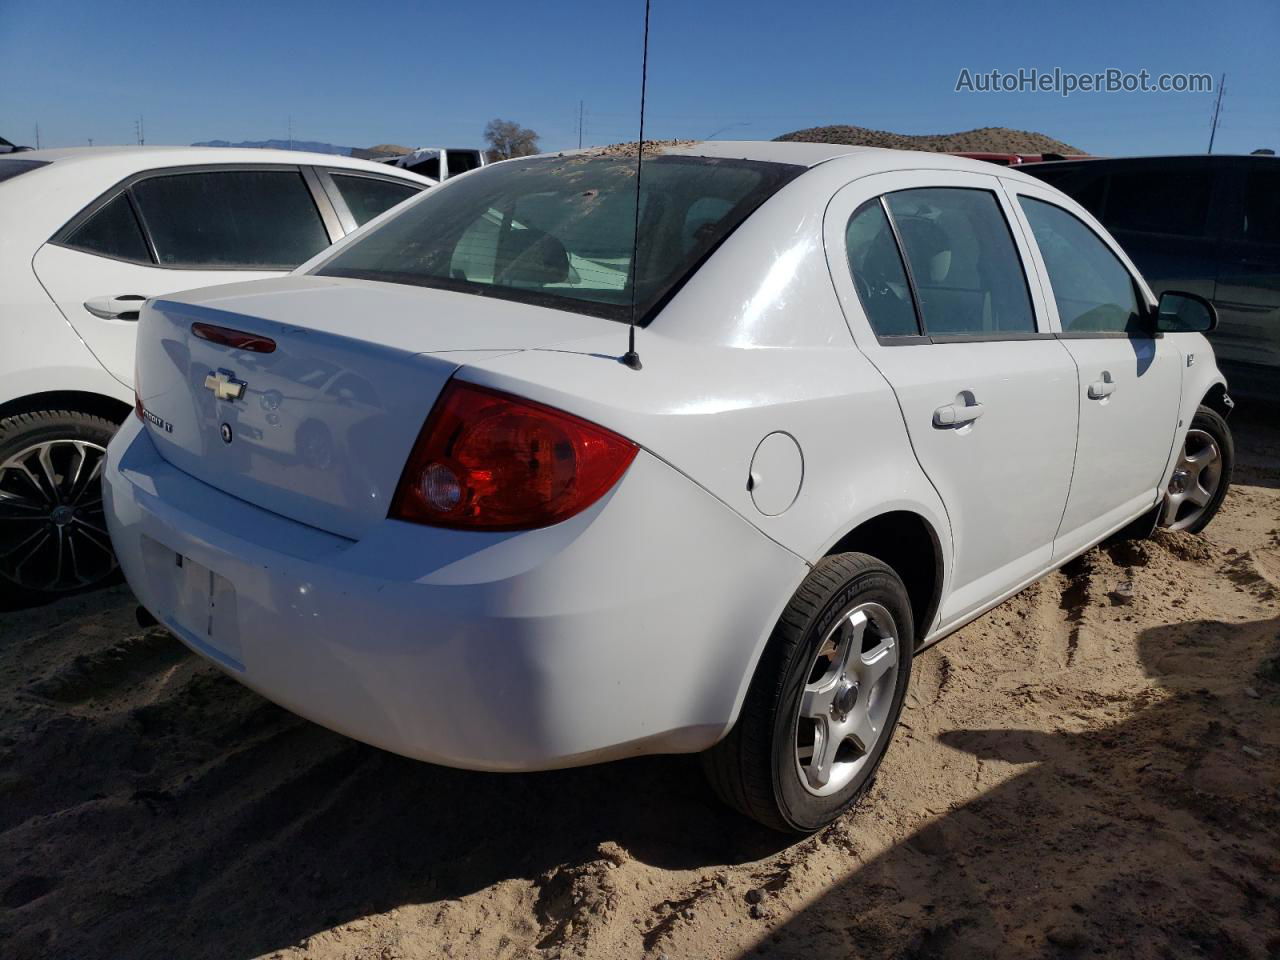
983	140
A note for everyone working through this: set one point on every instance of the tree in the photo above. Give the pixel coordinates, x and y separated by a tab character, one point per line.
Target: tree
508	139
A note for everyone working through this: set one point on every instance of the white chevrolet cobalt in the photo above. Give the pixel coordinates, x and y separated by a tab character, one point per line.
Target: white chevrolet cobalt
418	492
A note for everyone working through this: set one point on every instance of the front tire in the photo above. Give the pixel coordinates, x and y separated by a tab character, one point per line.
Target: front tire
53	533
824	701
1202	474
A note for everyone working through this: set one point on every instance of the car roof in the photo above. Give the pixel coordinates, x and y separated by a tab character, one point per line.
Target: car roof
43	199
136	158
866	160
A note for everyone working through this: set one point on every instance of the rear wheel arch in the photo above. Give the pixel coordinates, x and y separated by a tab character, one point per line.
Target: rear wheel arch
908	543
96	404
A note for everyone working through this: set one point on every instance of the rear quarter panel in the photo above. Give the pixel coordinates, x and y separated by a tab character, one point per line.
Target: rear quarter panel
754	343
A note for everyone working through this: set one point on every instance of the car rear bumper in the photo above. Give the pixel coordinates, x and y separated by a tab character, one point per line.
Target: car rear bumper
631	628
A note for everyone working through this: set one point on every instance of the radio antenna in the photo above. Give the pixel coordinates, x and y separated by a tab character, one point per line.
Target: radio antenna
631	358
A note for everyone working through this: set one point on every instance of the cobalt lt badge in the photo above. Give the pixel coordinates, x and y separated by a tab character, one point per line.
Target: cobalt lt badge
225	430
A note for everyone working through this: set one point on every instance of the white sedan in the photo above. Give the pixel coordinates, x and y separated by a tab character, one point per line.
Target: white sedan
88	235
876	393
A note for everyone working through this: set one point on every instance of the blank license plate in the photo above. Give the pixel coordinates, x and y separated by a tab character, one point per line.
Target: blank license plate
199	603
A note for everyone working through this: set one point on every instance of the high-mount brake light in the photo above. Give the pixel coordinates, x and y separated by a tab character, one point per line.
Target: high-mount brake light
487	460
236	339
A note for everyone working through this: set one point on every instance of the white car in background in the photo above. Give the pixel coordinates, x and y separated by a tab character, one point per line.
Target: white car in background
876	394
88	235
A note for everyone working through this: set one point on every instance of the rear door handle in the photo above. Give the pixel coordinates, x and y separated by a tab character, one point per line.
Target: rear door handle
964	410
1102	388
122	307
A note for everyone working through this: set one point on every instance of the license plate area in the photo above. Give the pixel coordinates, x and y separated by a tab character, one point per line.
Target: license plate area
194	602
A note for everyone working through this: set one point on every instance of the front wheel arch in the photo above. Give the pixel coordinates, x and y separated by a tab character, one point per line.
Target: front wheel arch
1216	399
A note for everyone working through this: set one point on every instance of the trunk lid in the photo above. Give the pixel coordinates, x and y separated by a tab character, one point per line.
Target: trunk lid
324	423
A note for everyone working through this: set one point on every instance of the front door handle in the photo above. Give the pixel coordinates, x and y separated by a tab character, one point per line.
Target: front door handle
965	410
122	307
1102	388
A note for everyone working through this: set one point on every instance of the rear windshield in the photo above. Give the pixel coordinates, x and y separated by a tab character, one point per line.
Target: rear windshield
11	168
559	231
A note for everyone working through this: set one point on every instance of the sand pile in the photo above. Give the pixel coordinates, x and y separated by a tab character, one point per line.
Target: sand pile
1090	769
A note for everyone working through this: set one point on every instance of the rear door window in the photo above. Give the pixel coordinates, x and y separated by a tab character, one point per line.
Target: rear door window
967	274
1092	288
878	272
263	219
368	197
112	232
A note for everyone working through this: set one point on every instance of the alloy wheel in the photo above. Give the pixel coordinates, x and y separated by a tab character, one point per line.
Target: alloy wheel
847	698
53	532
1195	481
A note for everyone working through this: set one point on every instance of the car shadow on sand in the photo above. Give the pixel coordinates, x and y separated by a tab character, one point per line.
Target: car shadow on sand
151	807
1153	837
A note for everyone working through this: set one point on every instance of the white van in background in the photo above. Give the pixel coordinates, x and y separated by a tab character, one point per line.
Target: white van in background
439	163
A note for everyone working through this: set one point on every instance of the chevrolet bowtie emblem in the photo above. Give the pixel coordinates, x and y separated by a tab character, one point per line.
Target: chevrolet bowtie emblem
225	386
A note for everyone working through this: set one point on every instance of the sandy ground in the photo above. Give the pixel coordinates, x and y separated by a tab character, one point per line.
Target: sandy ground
1090	769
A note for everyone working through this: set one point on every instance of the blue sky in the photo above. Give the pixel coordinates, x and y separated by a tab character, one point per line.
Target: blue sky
434	73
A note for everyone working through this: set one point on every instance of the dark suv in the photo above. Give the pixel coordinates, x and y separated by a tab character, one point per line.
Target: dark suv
1205	224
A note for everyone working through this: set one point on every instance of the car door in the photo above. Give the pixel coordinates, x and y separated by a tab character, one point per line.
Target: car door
1247	293
1130	378
175	229
931	278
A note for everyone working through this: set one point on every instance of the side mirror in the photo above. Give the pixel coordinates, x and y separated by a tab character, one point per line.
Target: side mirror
1185	313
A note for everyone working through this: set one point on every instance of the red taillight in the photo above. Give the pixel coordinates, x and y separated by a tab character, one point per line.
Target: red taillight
487	460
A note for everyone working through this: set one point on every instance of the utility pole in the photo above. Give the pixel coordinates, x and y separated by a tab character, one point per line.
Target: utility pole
290	131
37	136
579	124
1217	110
140	131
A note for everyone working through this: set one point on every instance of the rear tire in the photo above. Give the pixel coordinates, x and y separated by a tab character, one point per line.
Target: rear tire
53	537
824	700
